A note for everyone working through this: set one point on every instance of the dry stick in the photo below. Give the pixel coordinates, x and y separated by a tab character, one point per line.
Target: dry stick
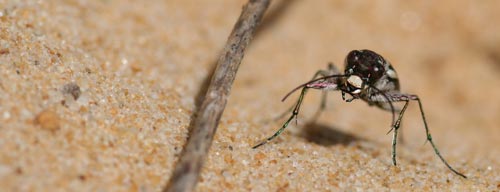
189	166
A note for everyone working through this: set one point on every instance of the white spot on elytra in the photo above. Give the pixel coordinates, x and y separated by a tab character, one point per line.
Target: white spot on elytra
392	74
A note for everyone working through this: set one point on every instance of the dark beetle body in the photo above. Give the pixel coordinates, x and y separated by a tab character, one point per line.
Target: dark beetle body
377	74
371	78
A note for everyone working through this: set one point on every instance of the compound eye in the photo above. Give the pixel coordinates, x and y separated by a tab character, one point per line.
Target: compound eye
350	71
355	81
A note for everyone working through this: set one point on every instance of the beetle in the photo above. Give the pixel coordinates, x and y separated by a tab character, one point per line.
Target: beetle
369	77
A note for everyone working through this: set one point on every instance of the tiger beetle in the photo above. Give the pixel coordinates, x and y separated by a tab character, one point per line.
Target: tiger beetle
371	78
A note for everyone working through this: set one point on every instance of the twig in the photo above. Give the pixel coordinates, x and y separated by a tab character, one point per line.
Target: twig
189	166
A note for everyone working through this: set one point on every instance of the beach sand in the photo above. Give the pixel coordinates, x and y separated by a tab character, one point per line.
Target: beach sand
99	95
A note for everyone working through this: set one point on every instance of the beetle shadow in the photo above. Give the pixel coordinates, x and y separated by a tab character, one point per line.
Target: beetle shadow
322	134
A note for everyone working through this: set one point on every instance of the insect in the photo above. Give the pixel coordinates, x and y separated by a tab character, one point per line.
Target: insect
371	78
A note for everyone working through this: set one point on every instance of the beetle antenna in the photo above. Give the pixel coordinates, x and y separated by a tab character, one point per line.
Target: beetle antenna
312	81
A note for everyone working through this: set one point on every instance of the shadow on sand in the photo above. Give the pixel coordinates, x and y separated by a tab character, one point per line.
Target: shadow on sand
326	135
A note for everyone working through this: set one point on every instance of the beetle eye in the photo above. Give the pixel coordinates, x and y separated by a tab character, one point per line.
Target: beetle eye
350	71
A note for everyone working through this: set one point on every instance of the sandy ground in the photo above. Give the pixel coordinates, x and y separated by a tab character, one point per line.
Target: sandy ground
98	96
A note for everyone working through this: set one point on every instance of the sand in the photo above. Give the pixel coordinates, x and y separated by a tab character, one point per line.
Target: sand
99	95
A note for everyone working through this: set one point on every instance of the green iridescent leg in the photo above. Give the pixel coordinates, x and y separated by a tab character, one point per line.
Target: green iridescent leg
294	114
406	98
395	134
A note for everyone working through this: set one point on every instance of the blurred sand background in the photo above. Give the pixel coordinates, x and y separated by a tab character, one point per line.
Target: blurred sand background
98	95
